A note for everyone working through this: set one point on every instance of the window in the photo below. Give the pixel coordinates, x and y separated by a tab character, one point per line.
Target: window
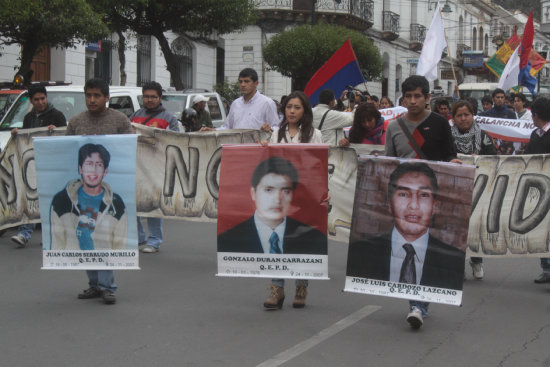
143	60
184	55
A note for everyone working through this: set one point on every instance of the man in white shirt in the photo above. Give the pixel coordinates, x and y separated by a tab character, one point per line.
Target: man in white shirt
519	106
332	121
252	110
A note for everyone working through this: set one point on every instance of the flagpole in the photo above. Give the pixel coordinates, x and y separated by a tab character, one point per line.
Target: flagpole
450	57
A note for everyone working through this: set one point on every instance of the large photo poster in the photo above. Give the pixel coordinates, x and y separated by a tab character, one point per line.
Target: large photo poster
272	211
409	229
87	198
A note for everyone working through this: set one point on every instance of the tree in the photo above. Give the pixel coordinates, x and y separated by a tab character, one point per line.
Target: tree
34	24
228	90
299	52
198	19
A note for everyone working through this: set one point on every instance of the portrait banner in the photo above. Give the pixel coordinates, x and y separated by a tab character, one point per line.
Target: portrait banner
87	196
409	229
272	211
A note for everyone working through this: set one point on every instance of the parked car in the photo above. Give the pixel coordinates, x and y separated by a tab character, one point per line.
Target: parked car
7	97
70	100
176	102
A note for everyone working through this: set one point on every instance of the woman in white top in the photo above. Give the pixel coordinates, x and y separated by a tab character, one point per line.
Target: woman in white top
297	124
296	127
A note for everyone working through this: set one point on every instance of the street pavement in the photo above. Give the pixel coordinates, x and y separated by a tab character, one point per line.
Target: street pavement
176	312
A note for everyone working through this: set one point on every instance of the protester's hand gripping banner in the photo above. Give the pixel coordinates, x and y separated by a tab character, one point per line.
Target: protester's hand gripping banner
87	196
272	217
409	229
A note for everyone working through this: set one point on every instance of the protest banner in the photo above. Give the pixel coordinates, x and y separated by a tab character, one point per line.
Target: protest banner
86	191
178	176
409	229
272	221
506	129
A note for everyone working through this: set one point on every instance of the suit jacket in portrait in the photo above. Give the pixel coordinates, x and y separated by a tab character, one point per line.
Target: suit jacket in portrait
299	238
443	263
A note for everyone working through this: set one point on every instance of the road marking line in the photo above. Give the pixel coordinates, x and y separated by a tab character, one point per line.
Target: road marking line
323	335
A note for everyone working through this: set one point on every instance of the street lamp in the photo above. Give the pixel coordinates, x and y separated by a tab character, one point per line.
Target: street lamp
445	9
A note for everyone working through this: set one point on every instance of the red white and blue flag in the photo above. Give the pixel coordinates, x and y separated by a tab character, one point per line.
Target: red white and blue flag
341	70
525	78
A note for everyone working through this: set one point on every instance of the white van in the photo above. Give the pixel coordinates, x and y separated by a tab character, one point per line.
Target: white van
476	90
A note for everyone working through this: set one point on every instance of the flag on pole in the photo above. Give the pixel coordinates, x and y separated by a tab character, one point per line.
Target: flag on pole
509	77
433	47
341	70
525	78
498	61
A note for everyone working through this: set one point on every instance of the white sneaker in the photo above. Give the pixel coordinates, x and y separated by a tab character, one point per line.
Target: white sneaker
477	270
414	318
20	240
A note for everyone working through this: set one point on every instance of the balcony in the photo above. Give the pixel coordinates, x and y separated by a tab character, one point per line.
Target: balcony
460	48
390	26
354	14
418	34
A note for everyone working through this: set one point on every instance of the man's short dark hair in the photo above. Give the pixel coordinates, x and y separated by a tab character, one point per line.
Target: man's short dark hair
374	98
442	102
521	96
326	96
541	107
152	86
486	99
408	167
87	150
416	81
97	83
249	73
498	91
275	165
37	89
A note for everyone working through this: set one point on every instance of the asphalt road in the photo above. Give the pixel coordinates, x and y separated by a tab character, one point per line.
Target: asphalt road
176	312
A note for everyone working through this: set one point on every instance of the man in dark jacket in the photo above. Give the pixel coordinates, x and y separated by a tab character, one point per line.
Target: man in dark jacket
499	107
42	114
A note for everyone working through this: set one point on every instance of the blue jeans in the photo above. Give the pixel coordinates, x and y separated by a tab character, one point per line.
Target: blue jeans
25	230
422	306
281	282
155	231
545	264
102	279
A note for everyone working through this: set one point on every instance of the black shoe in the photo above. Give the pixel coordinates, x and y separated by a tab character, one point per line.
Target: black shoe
543	278
108	297
91	292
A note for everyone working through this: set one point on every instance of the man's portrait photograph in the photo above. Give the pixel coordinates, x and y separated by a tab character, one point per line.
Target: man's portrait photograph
87	192
271	201
410	222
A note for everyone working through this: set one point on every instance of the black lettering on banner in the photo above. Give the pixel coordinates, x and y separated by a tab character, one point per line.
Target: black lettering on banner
526	182
495	205
8	191
479	186
28	157
212	173
187	177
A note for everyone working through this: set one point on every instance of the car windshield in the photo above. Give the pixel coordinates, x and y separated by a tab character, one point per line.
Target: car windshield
174	103
69	103
5	99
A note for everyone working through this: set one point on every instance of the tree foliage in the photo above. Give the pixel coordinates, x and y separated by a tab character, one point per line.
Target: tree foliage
34	24
228	90
198	18
299	52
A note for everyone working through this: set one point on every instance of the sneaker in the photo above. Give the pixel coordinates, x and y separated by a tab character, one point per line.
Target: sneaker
477	270
543	278
414	318
300	297
276	298
142	244
91	292
20	240
148	249
108	297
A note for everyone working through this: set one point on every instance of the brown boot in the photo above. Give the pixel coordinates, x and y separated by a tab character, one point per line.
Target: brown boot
276	298
300	297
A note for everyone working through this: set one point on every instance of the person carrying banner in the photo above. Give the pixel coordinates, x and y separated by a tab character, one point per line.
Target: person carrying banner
203	116
252	110
499	107
470	139
99	120
385	102
154	115
42	114
539	143
522	113
296	127
419	134
329	121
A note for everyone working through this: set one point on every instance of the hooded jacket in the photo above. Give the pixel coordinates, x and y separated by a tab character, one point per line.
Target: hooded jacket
111	226
50	116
